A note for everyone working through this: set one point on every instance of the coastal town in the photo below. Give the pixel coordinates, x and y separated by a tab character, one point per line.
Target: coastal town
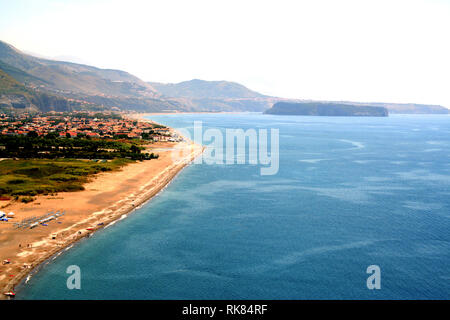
82	124
64	175
58	151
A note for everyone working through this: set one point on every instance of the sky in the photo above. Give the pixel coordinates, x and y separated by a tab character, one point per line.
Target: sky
385	51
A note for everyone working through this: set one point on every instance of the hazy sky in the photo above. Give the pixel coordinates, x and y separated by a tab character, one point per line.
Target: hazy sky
393	51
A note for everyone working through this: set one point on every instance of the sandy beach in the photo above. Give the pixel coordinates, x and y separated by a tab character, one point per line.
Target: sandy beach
107	197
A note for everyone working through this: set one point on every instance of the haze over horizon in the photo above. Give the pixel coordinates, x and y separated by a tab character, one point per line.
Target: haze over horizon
384	51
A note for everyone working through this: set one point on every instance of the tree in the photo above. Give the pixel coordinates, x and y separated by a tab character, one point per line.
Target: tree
51	135
135	149
32	134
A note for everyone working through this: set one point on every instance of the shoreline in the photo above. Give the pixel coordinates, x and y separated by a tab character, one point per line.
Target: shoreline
52	255
124	205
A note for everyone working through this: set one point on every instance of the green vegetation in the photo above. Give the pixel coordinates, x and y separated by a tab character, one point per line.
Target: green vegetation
32	177
51	164
160	126
50	147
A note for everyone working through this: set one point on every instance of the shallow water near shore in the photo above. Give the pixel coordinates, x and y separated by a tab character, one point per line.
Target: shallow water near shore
350	193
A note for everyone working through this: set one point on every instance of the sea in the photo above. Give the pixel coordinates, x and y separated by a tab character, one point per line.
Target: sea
358	209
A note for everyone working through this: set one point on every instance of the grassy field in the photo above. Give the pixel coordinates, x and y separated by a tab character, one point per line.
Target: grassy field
23	179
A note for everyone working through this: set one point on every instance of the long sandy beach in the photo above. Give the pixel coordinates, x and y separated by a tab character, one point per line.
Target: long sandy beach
106	198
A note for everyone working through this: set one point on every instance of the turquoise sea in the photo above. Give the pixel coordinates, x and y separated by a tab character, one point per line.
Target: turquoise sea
349	193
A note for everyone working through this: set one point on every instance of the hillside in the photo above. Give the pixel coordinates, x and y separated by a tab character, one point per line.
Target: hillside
214	95
201	89
115	88
15	96
20	75
72	77
326	109
112	88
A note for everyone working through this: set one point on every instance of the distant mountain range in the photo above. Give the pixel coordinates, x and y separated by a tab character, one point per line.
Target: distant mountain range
104	87
85	86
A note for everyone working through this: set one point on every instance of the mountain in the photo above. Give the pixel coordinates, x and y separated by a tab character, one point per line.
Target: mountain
115	88
15	96
72	77
111	88
201	89
214	95
21	76
326	109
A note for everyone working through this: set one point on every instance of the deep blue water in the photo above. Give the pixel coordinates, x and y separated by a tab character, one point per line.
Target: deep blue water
350	192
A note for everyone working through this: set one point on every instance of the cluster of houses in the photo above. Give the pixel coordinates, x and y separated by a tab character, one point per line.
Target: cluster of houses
83	124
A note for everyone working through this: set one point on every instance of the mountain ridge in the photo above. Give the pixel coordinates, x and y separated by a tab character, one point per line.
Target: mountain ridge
79	76
197	88
117	88
113	88
219	95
